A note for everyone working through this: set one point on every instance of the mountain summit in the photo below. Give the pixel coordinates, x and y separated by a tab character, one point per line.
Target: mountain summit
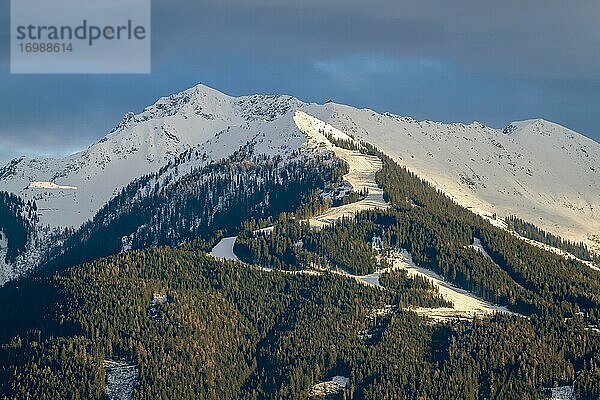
535	169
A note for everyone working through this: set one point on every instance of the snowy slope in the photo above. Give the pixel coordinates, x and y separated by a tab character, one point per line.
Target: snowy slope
465	304
537	170
68	191
224	249
361	170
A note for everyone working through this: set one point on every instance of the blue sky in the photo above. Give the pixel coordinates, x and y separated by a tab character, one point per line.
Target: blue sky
493	62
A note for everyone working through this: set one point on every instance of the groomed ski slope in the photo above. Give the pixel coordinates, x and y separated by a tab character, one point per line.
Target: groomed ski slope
466	305
361	175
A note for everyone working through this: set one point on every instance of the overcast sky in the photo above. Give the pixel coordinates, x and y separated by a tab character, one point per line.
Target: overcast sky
459	60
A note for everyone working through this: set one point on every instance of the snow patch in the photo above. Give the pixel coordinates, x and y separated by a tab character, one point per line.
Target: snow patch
224	249
50	185
479	247
154	311
370	279
336	385
266	230
126	243
383	312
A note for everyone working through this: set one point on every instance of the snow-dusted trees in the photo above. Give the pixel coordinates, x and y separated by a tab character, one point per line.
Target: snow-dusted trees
219	196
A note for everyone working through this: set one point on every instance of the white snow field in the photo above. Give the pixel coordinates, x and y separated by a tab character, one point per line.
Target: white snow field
465	305
224	249
361	174
540	171
50	185
121	379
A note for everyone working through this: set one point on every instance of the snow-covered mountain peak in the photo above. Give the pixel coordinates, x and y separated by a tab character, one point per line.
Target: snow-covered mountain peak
206	103
199	100
539	127
266	107
200	118
478	125
536	169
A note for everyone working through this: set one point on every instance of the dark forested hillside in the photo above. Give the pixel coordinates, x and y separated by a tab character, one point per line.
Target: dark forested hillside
438	234
229	331
295	246
192	327
219	196
17	221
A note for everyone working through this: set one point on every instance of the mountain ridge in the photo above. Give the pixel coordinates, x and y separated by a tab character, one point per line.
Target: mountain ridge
552	176
489	170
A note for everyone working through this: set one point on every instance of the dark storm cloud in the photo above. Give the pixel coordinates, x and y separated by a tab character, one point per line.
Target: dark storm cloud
538	39
442	60
4	35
